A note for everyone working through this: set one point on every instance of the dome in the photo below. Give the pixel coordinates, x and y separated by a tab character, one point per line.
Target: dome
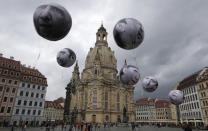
101	55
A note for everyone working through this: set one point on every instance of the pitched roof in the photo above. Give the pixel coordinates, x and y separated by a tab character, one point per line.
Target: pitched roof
51	104
188	81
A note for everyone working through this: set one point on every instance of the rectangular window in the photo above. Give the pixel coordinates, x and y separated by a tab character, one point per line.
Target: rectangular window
1	88
30	104
23	111
21	93
40	104
23	84
5	99
28	86
28	112
8	109
3	80
25	103
15	82
43	88
10	81
34	112
11	99
36	103
17	111
42	95
7	90
33	86
13	90
2	109
27	94
37	95
19	102
38	87
39	112
32	94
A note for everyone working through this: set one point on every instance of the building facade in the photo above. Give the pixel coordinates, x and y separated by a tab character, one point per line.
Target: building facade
155	111
29	102
190	109
100	96
9	82
202	87
53	112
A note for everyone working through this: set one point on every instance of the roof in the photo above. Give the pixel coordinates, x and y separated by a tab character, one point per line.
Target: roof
10	64
51	104
27	74
162	104
188	81
145	101
102	28
159	103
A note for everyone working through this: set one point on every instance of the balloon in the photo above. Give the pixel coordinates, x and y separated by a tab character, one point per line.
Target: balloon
66	57
52	21
149	84
129	74
176	97
128	33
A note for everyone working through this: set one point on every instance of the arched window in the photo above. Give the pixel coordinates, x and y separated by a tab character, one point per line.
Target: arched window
86	99
94	100
106	100
118	102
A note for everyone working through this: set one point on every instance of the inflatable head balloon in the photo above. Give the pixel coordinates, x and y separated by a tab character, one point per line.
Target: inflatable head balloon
149	84
129	74
52	21
176	97
66	57
128	33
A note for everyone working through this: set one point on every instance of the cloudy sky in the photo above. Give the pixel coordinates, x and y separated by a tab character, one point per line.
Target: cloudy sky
175	43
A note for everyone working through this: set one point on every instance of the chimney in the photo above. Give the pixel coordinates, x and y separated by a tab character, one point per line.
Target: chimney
34	67
23	65
11	57
29	66
1	55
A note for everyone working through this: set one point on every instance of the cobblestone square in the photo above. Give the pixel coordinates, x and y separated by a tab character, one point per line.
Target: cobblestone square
143	128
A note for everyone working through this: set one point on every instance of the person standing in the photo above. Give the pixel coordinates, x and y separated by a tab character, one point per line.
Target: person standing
187	127
12	128
24	127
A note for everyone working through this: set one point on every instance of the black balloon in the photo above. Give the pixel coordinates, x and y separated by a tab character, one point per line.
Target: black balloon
66	57
128	33
52	21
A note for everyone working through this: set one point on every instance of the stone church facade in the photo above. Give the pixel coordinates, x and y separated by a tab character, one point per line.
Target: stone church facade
100	96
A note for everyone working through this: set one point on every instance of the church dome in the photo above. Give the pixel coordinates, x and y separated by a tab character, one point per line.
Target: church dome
101	56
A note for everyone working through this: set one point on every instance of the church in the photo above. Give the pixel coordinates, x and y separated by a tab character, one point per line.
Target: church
99	95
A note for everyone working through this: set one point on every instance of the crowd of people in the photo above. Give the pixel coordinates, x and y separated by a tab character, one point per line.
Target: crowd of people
97	126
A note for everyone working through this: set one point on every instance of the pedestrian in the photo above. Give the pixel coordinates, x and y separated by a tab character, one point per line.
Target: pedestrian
187	127
62	126
133	126
24	127
12	128
82	126
88	127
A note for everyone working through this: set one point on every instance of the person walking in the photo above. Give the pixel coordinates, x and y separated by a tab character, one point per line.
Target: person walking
12	128
187	127
24	127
